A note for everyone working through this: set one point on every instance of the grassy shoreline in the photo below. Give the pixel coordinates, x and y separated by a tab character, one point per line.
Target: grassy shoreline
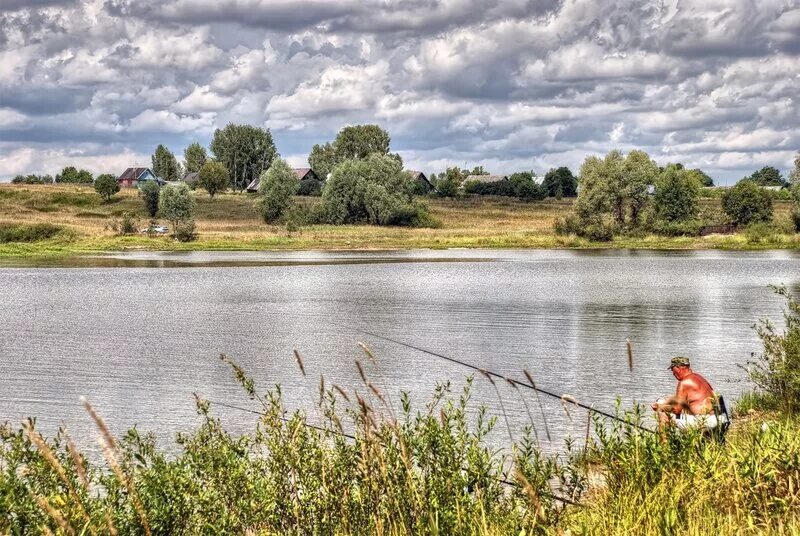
231	222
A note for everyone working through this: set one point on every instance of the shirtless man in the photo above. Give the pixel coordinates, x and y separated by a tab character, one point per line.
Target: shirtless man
692	406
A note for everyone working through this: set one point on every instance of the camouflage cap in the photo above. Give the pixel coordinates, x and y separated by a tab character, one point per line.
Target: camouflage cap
678	361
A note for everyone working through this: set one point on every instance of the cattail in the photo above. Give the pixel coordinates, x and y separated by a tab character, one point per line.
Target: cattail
630	354
78	462
112	530
530	378
54	513
539	402
567	398
299	362
321	388
341	392
368	352
376	392
361	371
110	449
49	456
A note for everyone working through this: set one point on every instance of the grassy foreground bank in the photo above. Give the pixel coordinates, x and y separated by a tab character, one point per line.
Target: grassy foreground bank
425	471
232	222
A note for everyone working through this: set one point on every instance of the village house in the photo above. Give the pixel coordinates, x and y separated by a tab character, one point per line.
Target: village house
191	178
423	184
308	181
133	177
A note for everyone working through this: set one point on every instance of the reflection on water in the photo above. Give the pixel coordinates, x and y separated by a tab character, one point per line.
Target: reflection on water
139	341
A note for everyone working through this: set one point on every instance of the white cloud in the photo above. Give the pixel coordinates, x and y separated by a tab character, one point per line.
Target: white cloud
164	121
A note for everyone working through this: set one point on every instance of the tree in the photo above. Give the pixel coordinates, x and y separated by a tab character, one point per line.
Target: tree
32	179
70	175
615	186
747	203
526	188
359	141
165	165
768	176
176	203
355	142
213	178
322	159
106	186
278	184
375	190
794	175
560	180
449	182
676	194
245	151
702	177
150	192
194	156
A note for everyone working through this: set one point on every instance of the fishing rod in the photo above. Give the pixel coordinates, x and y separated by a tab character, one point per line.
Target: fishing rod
500	376
348	436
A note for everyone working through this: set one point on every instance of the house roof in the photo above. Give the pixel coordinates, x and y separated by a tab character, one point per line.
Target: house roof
192	177
419	176
133	173
302	174
254	184
486	178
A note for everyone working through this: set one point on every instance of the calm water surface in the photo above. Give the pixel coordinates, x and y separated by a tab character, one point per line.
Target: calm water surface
138	334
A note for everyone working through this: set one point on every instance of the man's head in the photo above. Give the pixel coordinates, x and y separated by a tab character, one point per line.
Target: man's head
679	366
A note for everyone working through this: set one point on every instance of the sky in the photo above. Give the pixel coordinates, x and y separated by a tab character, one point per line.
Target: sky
507	84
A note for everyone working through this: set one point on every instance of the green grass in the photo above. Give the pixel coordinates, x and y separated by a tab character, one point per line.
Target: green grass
373	469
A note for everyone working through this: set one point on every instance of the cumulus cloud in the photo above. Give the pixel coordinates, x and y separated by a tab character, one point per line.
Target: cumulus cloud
508	84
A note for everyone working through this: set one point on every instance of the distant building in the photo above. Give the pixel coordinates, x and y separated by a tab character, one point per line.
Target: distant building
135	176
422	183
191	178
308	180
486	178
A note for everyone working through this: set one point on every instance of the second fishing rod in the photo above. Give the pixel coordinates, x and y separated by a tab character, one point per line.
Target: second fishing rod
532	385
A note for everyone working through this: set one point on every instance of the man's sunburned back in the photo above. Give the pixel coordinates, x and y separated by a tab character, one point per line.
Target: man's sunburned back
697	393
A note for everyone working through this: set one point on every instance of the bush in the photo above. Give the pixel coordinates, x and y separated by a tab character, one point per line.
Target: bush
676	228
106	186
278	184
375	190
796	218
747	203
213	178
176	203
29	232
676	194
759	232
185	231
150	193
125	225
310	187
598	232
777	371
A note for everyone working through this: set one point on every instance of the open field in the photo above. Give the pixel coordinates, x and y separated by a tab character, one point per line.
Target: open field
231	222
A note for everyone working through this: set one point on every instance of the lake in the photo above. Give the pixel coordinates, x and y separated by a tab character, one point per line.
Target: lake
139	333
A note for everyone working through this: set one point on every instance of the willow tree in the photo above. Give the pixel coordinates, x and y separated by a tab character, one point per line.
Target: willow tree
244	150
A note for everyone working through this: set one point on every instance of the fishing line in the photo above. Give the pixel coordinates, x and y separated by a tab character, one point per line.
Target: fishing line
490	373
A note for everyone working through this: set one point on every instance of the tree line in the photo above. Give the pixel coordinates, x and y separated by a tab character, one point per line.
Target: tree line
630	194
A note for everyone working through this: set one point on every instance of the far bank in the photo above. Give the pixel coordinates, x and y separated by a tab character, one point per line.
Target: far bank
83	223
